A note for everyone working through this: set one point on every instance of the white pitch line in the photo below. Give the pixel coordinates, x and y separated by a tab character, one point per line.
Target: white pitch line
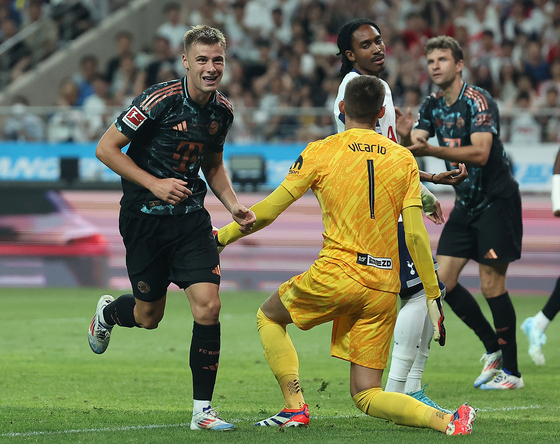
507	409
103	429
164	426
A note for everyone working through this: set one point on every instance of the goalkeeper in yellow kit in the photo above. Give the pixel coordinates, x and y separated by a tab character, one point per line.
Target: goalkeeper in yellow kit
363	182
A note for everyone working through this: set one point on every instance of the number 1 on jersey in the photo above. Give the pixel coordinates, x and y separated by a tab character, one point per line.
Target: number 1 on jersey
371	182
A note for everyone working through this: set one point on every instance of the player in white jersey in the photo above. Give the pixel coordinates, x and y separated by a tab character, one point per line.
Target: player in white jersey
386	125
363	53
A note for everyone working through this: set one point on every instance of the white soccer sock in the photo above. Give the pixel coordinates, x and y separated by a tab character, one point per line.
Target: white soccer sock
541	321
199	406
414	380
394	385
408	331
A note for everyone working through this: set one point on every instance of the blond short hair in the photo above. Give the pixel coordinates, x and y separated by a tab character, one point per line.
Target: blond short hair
203	34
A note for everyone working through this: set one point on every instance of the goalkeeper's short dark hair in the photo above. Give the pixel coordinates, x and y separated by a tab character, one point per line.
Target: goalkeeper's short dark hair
363	98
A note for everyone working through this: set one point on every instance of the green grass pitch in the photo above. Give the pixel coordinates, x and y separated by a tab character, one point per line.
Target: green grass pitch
54	389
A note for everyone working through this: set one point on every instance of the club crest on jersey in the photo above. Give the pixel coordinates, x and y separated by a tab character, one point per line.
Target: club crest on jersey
213	128
134	118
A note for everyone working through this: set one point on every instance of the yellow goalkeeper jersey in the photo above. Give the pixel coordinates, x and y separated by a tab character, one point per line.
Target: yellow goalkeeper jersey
362	181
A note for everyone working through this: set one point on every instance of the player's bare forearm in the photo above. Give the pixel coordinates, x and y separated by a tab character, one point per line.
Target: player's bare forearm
220	183
109	151
476	154
418	244
218	180
425	177
406	140
471	155
453	177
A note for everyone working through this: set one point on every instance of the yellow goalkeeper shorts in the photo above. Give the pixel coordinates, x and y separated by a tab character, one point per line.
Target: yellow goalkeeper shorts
364	318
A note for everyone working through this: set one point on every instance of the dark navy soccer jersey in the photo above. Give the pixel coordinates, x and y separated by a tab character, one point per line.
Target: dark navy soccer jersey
474	111
170	133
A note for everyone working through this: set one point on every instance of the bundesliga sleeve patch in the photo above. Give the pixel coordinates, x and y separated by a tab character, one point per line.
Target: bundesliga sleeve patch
134	118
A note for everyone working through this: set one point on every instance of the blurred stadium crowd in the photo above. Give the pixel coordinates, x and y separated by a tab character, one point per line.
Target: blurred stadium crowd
282	67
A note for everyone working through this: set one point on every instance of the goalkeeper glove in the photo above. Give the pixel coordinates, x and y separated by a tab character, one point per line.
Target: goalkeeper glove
428	200
435	311
218	243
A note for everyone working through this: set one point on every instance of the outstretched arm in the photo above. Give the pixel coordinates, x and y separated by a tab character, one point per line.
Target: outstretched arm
219	181
475	154
266	211
453	177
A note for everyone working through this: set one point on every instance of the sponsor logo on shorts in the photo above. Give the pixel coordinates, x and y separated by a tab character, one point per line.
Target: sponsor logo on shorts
134	118
143	287
385	263
217	270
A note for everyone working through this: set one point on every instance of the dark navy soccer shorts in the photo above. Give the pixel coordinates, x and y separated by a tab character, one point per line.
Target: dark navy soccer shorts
490	237
164	249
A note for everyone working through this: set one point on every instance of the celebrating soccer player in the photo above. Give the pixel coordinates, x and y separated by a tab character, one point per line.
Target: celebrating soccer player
174	129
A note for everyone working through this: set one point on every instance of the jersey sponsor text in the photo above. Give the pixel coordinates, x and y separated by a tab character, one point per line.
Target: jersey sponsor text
385	263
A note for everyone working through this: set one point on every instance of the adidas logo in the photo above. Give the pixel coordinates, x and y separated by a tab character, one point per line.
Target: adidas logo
491	254
181	126
217	270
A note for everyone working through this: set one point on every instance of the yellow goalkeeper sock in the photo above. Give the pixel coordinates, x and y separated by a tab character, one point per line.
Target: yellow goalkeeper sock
282	359
400	409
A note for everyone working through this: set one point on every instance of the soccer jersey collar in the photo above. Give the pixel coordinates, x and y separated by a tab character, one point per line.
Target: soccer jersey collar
440	96
190	99
462	91
362	130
